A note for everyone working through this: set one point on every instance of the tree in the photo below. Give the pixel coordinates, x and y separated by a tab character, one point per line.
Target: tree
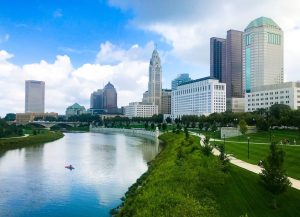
206	147
10	117
243	126
186	133
273	175
146	125
152	126
224	159
164	126
168	120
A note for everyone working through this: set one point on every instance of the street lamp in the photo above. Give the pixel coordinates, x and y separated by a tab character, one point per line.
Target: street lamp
214	138
224	142
248	146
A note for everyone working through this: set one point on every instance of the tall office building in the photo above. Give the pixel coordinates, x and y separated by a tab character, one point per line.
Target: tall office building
96	100
34	96
110	98
155	81
218	58
166	101
234	64
181	78
262	54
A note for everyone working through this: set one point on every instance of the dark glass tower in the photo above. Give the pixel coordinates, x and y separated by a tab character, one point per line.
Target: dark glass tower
110	98
218	58
234	64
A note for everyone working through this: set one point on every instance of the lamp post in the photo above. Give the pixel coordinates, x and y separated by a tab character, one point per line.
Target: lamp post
215	138
248	146
224	142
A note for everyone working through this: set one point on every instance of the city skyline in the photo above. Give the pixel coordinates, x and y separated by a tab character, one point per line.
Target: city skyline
67	66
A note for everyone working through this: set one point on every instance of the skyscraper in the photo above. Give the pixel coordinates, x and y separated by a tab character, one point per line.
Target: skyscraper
155	80
262	54
110	98
217	58
181	78
96	100
34	96
234	64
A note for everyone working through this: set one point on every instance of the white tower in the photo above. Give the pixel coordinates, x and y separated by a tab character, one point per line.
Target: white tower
155	80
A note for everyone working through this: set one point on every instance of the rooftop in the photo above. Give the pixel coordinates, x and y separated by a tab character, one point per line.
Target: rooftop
200	79
262	21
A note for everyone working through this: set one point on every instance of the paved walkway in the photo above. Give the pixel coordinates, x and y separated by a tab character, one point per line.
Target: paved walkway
25	135
250	167
262	143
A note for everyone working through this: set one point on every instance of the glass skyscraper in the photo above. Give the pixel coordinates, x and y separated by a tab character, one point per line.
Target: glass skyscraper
34	96
262	54
218	58
181	78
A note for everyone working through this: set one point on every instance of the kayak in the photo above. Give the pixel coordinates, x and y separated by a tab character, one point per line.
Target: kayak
70	167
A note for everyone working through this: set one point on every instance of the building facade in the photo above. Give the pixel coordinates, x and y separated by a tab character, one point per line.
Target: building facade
96	100
218	58
287	93
34	96
262	54
110	98
25	118
181	78
155	81
234	64
166	101
75	109
234	104
199	97
138	109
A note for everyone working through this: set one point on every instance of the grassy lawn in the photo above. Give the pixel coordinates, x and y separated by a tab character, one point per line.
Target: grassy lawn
264	137
181	182
260	151
43	137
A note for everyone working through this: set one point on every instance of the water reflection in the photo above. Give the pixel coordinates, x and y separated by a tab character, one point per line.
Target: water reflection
34	182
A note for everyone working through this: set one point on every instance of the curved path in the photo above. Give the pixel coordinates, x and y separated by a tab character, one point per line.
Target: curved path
250	167
16	137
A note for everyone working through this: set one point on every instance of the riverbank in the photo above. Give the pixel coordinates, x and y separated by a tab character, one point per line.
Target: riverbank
181	181
135	132
12	143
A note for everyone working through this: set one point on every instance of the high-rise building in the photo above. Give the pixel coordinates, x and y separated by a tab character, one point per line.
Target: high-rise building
166	101
234	64
34	96
217	58
110	98
155	81
96	100
181	78
262	54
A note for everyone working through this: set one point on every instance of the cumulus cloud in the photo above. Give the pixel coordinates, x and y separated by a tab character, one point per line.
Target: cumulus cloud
188	25
66	85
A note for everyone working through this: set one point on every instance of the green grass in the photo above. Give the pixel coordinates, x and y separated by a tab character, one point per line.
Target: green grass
258	152
45	136
264	137
181	181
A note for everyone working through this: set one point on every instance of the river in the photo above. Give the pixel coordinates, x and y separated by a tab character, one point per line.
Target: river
34	180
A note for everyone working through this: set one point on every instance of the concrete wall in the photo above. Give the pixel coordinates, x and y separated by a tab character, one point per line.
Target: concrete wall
233	131
135	132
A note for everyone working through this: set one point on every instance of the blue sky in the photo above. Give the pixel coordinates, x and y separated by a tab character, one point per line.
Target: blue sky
78	46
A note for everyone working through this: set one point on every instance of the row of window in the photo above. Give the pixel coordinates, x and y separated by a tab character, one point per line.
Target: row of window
271	93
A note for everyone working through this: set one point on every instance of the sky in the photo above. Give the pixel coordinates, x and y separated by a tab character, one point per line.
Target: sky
76	47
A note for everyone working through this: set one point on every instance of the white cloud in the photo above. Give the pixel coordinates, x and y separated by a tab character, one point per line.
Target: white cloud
188	25
66	85
57	13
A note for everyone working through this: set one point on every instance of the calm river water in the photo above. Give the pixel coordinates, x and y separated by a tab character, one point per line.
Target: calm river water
35	182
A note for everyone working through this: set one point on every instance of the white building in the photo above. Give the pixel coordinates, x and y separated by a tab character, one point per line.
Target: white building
139	109
153	95
287	93
199	97
34	96
262	54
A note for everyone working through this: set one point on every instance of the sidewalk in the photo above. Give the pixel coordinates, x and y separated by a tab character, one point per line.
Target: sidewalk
16	137
250	167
